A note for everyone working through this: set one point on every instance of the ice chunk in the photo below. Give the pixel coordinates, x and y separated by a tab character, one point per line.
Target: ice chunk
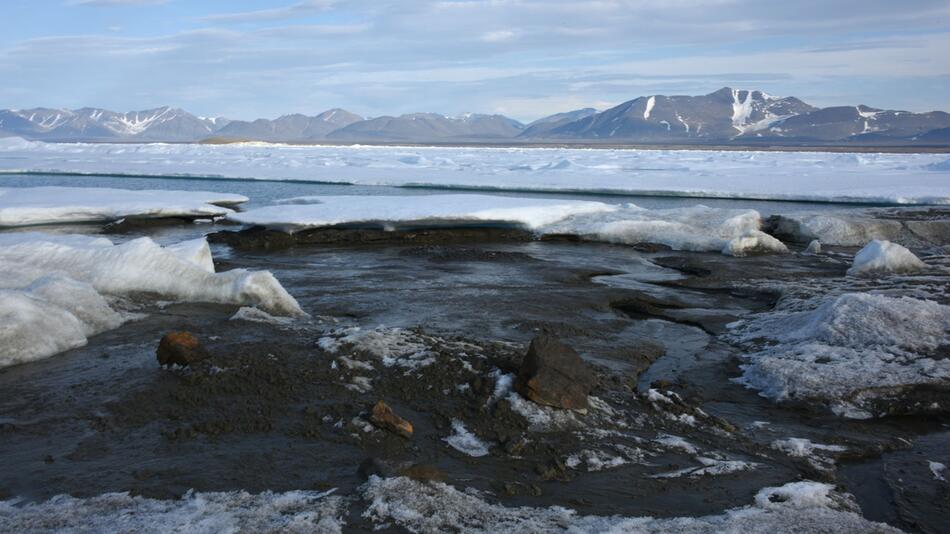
814	247
860	353
55	289
465	442
24	206
437	507
195	251
308	212
196	512
752	242
51	315
938	470
833	229
883	257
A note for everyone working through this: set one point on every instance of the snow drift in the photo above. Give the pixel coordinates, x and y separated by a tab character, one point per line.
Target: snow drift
884	257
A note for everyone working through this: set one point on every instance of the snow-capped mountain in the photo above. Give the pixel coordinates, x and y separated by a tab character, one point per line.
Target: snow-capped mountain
724	114
729	116
94	124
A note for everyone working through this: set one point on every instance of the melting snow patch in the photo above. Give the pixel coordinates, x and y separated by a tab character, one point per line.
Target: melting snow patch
465	442
710	467
255	315
395	347
884	257
804	448
852	352
437	507
199	513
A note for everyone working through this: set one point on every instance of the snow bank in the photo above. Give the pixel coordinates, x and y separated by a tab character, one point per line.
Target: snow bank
309	212
883	257
24	206
198	513
437	507
862	354
57	290
816	176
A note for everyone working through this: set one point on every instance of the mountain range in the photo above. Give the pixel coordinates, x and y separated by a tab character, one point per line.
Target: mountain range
726	116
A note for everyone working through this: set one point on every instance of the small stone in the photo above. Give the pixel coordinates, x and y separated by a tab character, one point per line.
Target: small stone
553	374
423	472
384	417
180	348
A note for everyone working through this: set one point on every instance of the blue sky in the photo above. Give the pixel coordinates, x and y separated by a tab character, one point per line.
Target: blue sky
524	58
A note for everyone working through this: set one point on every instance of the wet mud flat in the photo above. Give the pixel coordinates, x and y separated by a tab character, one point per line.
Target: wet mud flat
436	325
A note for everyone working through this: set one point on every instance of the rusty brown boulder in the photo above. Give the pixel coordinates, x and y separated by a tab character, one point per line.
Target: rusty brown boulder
384	417
553	374
180	348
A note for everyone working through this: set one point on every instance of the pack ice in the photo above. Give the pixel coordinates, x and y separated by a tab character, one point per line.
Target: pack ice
24	206
815	176
57	290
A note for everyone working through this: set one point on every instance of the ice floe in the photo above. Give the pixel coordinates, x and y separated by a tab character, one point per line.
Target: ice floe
316	211
437	507
862	354
697	228
816	176
198	513
57	290
25	206
884	257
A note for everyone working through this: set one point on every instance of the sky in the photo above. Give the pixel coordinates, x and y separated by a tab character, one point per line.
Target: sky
245	59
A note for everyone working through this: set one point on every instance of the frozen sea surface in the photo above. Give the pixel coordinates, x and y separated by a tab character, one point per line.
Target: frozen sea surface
799	176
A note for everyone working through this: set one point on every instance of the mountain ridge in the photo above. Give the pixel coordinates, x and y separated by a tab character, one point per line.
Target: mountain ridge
730	116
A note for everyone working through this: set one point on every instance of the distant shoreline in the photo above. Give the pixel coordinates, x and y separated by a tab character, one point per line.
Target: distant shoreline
751	147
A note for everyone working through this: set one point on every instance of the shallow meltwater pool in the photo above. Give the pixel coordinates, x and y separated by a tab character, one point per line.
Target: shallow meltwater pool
711	398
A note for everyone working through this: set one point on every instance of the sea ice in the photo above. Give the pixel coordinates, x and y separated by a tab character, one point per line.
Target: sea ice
24	206
57	290
813	176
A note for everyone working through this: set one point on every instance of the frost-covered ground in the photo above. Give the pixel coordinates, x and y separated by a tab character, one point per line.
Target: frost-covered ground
877	178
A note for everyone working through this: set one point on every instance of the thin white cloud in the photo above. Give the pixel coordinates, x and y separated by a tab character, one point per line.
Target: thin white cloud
295	10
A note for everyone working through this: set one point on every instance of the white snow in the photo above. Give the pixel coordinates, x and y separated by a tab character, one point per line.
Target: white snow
649	107
883	257
872	178
196	513
330	210
710	467
437	507
849	352
395	347
465	442
675	442
23	206
60	289
804	448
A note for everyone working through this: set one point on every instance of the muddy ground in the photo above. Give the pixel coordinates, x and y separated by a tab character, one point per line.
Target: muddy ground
286	406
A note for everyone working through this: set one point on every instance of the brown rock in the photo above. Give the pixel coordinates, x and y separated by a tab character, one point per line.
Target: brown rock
180	348
553	374
384	417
